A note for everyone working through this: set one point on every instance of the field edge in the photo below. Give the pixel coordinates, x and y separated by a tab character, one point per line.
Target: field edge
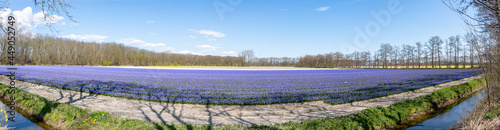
64	116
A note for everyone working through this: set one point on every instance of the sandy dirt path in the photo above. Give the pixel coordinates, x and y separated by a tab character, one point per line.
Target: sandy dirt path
216	115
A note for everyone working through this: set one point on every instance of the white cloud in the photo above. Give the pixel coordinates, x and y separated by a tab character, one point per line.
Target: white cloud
4	14
38	18
191	36
152	44
158	47
163	49
138	43
208	33
212	39
26	20
229	53
86	37
189	52
150	21
212	33
130	41
207	48
322	9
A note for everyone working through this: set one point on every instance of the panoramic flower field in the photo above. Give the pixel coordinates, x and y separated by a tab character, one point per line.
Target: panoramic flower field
239	86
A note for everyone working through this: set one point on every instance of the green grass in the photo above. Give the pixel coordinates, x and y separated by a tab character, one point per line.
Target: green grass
65	116
384	117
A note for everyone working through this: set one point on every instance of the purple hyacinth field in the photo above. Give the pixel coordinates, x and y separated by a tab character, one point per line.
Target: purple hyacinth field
239	86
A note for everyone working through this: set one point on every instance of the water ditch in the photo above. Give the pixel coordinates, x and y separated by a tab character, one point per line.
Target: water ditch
22	120
447	116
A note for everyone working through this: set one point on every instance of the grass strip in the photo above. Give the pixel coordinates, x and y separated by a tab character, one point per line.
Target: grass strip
385	117
64	116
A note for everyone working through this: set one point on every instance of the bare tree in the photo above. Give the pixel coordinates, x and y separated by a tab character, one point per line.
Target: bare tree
435	43
51	7
419	53
464	55
247	55
472	41
407	54
457	49
395	53
385	51
376	59
430	50
454	43
448	51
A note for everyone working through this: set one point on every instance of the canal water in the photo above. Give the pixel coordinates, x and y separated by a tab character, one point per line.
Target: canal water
451	115
21	122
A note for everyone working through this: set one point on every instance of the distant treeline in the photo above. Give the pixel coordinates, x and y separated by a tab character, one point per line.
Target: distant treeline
46	50
436	53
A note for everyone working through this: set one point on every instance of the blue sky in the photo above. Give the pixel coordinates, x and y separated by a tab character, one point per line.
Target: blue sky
272	28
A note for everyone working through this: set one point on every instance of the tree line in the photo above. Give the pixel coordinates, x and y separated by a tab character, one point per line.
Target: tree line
453	52
46	50
249	57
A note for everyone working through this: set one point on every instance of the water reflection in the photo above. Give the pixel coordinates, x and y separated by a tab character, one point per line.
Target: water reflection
452	116
21	122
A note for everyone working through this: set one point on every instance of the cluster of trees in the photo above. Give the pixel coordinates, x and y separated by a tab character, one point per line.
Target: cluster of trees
43	50
335	60
249	57
435	53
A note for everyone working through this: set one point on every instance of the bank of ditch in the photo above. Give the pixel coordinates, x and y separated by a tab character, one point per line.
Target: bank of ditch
64	116
394	115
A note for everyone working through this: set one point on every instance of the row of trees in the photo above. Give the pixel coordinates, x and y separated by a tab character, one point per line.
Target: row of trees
249	57
435	53
42	50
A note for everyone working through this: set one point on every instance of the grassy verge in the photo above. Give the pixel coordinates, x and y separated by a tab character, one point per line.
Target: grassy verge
63	116
484	116
386	117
